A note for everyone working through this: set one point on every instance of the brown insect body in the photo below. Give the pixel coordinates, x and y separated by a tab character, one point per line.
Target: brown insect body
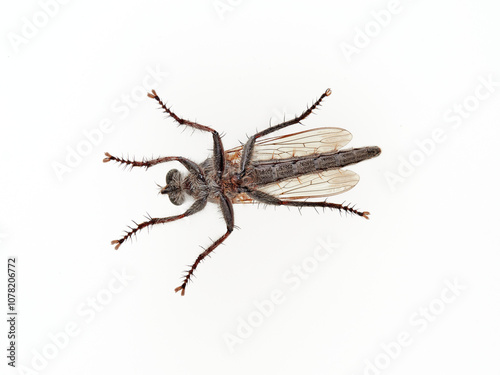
274	171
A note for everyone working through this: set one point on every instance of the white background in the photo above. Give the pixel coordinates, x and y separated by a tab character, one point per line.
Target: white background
235	69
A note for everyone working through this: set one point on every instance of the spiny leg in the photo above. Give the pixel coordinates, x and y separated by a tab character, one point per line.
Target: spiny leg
190	166
196	207
180	121
228	214
249	146
218	147
269	199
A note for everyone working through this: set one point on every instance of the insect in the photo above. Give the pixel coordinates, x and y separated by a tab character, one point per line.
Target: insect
280	171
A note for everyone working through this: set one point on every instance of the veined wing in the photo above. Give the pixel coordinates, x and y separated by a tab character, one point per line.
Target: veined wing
314	141
314	185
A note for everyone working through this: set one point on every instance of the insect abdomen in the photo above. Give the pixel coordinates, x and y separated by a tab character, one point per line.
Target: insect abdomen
277	170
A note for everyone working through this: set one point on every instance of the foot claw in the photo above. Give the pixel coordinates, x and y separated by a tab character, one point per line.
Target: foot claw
152	94
365	215
108	158
182	288
117	242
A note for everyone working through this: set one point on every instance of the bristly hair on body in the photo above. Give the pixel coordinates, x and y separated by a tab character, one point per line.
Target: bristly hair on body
285	170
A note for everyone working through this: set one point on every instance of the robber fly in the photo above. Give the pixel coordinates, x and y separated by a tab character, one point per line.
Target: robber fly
280	171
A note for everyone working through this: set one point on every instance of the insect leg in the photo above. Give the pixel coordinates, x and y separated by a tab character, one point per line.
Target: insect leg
228	214
218	148
269	199
195	207
249	146
190	166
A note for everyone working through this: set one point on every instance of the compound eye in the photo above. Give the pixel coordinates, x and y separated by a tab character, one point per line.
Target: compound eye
173	188
173	175
177	197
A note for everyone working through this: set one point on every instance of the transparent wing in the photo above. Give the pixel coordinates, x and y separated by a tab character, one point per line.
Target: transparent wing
314	141
319	184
